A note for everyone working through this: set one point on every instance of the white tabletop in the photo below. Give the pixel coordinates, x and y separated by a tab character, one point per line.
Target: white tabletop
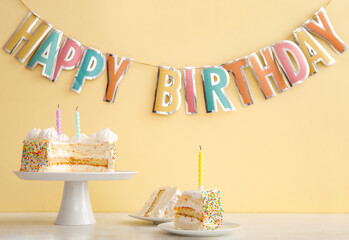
121	226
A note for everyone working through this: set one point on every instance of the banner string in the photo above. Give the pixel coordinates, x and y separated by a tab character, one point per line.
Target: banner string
136	61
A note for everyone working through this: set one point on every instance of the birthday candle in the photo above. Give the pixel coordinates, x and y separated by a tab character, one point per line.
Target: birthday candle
58	121
77	121
201	186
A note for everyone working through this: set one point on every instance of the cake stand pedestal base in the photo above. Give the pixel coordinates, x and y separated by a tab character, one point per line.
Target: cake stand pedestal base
76	206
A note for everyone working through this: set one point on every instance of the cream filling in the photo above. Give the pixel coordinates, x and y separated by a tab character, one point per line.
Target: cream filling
193	193
188	201
188	204
72	168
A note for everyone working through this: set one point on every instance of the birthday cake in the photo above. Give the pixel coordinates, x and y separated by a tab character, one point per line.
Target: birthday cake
46	151
198	210
161	203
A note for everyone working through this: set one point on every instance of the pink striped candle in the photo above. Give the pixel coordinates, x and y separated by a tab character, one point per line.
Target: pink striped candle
58	121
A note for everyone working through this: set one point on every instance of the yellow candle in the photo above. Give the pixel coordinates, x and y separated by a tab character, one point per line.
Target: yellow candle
200	171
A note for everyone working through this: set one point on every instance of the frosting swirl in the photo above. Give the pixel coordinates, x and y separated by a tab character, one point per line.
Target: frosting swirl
63	138
193	193
105	135
83	138
93	137
34	133
48	133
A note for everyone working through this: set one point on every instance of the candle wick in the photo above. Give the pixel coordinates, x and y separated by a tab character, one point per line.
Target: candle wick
200	147
77	108
58	105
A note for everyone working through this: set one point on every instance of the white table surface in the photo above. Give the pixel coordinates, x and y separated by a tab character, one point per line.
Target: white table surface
121	226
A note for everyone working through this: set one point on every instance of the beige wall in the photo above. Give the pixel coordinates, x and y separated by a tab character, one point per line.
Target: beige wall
286	154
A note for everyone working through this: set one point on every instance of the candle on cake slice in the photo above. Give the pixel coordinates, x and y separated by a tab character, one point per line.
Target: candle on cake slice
199	209
201	186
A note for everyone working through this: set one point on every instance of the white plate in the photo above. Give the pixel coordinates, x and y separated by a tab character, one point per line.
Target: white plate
155	221
226	228
75	176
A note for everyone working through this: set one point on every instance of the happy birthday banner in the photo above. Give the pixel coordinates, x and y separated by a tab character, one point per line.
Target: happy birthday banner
287	63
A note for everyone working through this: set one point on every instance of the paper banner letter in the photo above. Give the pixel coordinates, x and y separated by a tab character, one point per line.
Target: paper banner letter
27	33
190	89
46	54
115	72
91	67
236	67
215	79
68	58
312	50
263	72
282	51
167	95
324	29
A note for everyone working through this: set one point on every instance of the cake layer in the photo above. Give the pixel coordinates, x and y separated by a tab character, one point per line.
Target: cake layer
161	203
85	161
79	151
187	223
73	168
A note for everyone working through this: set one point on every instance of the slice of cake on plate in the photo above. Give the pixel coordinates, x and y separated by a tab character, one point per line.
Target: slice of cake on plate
45	151
198	210
161	203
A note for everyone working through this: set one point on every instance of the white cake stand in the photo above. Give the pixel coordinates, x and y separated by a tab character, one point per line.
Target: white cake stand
76	206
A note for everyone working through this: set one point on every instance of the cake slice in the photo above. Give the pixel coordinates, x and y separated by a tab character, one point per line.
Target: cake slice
161	203
198	210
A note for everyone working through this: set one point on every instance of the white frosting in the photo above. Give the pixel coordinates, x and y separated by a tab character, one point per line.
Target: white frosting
105	135
93	137
63	138
193	193
34	133
83	138
48	133
196	205
172	203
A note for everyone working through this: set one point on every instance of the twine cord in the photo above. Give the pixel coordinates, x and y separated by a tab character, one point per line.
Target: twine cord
136	61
